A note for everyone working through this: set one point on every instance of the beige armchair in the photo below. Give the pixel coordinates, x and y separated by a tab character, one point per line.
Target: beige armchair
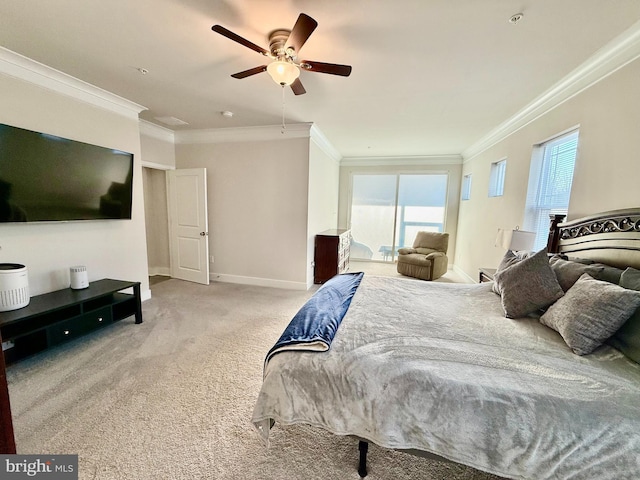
427	259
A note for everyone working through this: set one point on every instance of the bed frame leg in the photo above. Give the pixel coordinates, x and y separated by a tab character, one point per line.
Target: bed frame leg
362	466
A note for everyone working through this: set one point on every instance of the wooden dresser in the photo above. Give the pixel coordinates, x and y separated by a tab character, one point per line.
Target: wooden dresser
331	254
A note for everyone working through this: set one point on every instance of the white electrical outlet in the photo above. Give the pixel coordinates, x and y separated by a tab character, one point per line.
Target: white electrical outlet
211	259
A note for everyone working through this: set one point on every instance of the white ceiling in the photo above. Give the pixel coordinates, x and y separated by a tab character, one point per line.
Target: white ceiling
430	77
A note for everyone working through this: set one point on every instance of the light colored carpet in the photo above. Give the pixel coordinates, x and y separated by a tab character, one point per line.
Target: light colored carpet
172	398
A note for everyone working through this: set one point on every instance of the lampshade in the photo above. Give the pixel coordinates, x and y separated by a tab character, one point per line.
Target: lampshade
515	240
283	73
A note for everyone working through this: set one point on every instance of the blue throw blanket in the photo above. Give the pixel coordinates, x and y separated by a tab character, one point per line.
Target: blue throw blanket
316	323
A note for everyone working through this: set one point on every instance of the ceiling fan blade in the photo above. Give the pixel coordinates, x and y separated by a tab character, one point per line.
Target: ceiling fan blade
302	30
237	38
332	68
251	71
297	87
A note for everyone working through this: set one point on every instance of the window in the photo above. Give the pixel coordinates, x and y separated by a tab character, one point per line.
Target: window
550	179
387	211
496	179
466	187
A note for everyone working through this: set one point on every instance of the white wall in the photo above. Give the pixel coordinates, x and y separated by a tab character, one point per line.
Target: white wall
606	172
158	146
257	204
324	176
113	249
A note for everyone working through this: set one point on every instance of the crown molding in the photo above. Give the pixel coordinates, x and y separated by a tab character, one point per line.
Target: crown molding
324	144
256	134
156	131
401	161
18	66
244	134
621	51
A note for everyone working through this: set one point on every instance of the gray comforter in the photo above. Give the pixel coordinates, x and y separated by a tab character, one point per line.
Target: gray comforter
437	367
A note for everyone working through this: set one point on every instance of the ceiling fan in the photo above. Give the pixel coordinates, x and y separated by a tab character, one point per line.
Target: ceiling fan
284	47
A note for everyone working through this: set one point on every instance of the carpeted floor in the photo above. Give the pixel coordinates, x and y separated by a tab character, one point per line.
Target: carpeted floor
172	398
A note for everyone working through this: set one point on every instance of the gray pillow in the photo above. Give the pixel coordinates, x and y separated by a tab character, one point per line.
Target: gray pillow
510	258
527	286
627	339
569	272
590	312
584	261
609	274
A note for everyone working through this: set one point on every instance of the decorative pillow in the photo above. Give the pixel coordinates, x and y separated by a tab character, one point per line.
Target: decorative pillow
510	258
569	272
527	286
584	261
627	339
609	274
590	312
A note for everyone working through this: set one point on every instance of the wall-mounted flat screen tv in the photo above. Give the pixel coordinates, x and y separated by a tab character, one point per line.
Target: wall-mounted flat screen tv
44	178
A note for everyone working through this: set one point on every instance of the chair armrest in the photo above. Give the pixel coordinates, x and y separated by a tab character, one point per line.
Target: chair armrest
435	255
406	250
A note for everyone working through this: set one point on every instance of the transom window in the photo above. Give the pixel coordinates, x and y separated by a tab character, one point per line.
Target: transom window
466	187
496	178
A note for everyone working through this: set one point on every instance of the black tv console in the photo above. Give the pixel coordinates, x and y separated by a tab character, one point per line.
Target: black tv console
56	317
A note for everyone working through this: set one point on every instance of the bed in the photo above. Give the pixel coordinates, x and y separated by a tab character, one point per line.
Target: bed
439	370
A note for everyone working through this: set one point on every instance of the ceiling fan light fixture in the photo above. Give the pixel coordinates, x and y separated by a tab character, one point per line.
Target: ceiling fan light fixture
282	72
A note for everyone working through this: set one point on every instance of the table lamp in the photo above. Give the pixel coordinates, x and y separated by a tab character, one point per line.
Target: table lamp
515	240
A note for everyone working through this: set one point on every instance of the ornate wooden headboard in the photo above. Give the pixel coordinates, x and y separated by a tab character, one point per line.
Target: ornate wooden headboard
610	237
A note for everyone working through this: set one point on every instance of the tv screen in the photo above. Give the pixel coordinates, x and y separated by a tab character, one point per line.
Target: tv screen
45	178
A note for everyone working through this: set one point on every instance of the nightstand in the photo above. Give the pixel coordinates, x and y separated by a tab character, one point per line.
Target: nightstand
486	274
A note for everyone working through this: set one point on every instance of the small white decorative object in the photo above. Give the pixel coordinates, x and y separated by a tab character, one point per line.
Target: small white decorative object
14	286
79	277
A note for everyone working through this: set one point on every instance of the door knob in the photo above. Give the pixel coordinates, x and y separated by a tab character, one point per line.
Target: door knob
202	234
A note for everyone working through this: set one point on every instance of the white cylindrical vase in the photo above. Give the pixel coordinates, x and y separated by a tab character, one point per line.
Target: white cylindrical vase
14	286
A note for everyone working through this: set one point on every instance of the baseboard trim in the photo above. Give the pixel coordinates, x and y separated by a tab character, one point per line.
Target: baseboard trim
464	275
257	281
164	271
145	295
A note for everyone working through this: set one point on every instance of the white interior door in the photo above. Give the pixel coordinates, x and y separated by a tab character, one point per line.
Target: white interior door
188	225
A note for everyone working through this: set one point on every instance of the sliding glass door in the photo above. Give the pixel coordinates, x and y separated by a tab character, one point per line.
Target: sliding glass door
373	216
387	210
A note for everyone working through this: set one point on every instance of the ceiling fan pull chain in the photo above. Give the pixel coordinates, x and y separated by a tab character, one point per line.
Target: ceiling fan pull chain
284	127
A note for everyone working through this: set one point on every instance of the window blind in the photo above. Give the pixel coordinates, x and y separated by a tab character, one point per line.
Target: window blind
550	182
